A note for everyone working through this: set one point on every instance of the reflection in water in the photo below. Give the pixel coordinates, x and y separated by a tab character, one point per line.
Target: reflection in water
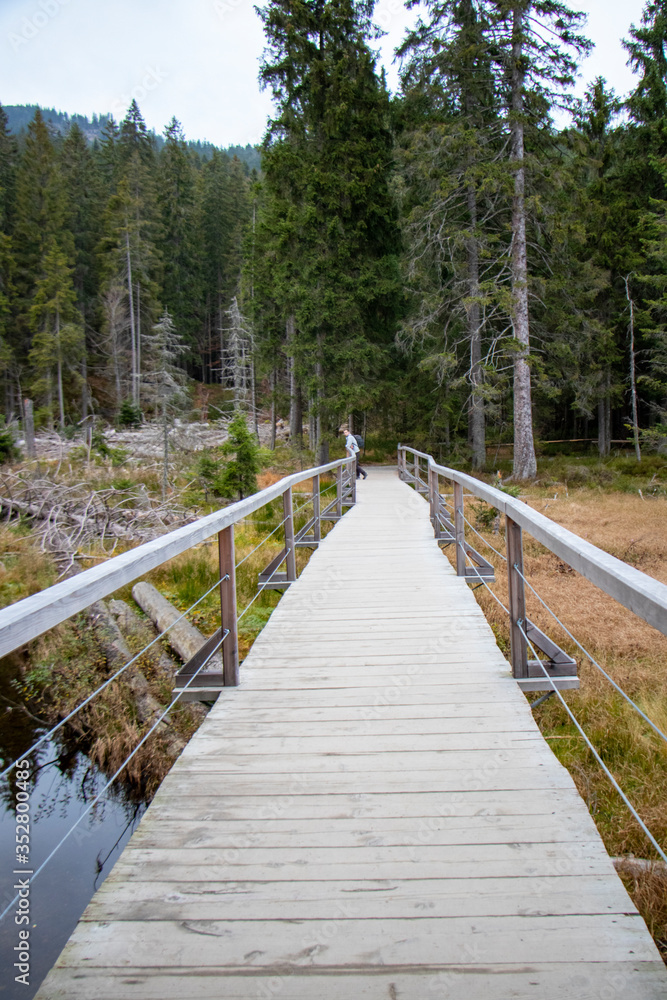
62	783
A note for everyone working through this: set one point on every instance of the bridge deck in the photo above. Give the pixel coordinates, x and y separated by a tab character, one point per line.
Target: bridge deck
371	814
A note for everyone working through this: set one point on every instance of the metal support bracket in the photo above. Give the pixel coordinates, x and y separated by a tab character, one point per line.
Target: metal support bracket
484	570
559	666
270	579
205	686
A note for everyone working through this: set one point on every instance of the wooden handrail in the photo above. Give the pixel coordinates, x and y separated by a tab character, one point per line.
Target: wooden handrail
643	595
26	619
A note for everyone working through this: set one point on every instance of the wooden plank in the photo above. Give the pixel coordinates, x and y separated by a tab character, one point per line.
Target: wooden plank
353	833
372	697
272	727
529	897
220	944
467	857
170	803
214	744
307	783
588	980
394	761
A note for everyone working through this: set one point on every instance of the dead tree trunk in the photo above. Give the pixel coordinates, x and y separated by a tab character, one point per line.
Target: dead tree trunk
29	428
604	421
295	410
525	465
133	332
273	410
633	377
476	413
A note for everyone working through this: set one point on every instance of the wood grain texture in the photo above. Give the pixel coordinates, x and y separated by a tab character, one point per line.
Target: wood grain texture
372	813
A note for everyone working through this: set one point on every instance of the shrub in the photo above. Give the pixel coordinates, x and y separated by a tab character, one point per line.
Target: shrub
129	414
239	475
8	450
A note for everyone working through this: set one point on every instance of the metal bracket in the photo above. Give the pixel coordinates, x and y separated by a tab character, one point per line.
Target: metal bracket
484	571
205	686
559	666
303	539
271	580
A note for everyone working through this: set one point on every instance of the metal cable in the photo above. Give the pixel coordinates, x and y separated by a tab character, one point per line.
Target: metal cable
306	504
488	544
594	751
120	671
277	528
263	587
113	778
593	660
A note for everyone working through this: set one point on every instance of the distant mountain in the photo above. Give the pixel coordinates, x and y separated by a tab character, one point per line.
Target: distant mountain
19	117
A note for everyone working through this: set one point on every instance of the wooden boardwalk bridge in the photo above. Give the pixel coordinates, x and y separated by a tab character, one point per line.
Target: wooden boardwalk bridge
372	813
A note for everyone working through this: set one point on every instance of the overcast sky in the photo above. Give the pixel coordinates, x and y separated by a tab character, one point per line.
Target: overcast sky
198	60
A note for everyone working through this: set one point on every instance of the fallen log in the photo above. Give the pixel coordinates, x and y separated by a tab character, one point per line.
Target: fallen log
134	627
638	867
117	653
184	638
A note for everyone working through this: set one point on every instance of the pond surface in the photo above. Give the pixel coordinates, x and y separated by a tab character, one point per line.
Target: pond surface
62	782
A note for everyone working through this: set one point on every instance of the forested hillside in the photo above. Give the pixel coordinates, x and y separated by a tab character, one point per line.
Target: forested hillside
20	116
446	265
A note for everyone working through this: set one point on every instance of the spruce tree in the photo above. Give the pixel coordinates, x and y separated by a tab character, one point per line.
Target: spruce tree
176	202
7	260
536	39
164	380
58	341
527	50
239	475
451	145
327	157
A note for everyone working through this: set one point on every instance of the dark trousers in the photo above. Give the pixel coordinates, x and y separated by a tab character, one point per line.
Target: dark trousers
360	471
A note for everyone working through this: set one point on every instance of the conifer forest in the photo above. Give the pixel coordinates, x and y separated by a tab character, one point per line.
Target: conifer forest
480	258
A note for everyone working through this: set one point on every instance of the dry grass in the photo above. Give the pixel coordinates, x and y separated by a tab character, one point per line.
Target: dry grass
632	652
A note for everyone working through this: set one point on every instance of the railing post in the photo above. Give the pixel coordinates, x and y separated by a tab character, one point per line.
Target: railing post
517	598
399	463
230	645
339	492
459	525
434	497
290	560
352	467
416	471
317	529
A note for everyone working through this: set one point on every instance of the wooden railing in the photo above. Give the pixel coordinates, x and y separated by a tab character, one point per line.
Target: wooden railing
29	618
643	595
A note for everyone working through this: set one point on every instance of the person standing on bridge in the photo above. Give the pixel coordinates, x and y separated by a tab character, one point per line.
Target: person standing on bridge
352	449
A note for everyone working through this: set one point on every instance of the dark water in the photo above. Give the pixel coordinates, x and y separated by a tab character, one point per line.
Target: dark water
61	785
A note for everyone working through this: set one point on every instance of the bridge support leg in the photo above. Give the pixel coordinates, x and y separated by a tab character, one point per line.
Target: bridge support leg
459	527
317	526
339	492
290	559
517	598
230	645
352	469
